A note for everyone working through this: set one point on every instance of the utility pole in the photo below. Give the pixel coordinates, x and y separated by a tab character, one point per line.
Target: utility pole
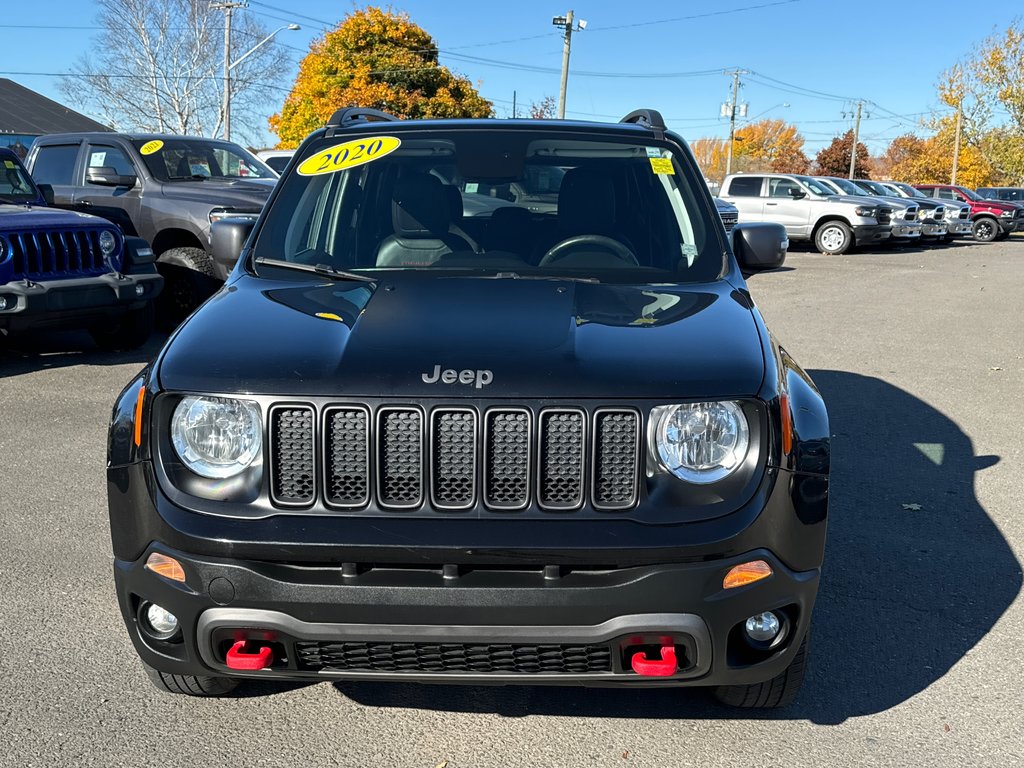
228	7
956	143
730	110
566	23
513	105
856	138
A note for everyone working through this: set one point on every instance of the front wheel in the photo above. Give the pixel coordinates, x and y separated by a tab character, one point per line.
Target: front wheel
833	238
985	230
190	685
780	691
190	278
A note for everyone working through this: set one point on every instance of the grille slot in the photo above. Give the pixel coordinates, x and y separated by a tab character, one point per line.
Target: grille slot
560	463
70	253
615	468
453	449
399	457
507	458
347	453
454	658
292	456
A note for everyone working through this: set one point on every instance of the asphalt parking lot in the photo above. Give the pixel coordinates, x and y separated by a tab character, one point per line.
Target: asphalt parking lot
916	642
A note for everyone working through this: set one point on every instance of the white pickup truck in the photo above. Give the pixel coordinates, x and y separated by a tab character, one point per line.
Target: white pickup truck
809	210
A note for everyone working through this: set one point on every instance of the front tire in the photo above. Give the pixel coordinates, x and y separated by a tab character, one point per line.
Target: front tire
833	238
131	332
780	691
190	685
190	278
985	230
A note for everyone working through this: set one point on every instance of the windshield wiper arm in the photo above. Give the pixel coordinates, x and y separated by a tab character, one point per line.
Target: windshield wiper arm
325	270
517	276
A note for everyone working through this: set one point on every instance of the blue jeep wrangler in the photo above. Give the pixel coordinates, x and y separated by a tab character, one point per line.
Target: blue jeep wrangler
60	269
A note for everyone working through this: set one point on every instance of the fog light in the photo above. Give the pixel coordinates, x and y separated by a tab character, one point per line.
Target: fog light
763	628
162	622
3	303
139	290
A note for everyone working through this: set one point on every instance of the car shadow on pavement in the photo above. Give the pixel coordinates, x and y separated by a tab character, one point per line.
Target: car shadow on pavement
35	351
916	575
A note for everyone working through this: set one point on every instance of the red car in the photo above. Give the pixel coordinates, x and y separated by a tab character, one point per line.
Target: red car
991	218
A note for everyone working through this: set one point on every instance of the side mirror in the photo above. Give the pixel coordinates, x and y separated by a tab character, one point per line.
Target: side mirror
759	246
227	238
46	190
106	176
797	194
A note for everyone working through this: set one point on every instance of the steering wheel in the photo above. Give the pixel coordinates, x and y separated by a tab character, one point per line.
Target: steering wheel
559	250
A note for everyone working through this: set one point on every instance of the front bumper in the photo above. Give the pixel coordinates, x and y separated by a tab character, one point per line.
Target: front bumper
906	230
932	228
60	303
871	233
505	626
959	227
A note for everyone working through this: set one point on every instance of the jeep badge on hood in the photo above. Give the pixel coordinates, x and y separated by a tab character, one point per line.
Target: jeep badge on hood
451	376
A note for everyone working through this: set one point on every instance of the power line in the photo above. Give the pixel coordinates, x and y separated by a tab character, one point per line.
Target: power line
694	16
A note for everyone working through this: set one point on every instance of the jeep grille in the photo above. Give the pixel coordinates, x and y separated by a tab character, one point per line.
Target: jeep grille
55	253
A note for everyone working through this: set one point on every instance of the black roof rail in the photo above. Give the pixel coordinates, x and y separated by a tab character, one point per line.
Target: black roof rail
649	118
347	115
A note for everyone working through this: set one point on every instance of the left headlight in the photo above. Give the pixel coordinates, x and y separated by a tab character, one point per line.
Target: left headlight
108	242
216	437
865	211
701	442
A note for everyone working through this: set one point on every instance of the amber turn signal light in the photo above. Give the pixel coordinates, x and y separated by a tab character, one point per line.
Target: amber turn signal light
138	416
747	573
165	566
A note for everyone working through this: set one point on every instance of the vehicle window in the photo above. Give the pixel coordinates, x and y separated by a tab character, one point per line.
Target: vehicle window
15	184
947	194
964	194
55	164
190	159
745	186
852	188
620	211
278	163
817	187
102	155
782	187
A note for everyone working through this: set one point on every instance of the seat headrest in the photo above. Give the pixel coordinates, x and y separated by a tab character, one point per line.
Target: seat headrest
586	201
420	207
454	201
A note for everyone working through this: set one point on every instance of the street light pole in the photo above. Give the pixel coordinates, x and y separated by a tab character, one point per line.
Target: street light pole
566	23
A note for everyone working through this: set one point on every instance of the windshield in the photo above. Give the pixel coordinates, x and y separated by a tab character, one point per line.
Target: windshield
874	187
506	203
911	191
817	186
15	183
968	193
189	159
847	186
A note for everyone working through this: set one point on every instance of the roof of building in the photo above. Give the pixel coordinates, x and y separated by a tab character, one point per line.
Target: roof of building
29	113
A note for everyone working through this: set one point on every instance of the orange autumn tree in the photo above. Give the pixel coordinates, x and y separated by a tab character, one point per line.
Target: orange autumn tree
375	58
771	145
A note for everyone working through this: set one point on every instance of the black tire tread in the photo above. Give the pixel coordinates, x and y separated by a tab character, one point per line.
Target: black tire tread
780	691
190	685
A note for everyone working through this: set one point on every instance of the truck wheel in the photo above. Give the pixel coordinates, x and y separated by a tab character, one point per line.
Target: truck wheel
833	238
190	685
131	332
985	230
189	279
780	691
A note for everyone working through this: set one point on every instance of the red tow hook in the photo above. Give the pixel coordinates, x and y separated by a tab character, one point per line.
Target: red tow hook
237	658
663	667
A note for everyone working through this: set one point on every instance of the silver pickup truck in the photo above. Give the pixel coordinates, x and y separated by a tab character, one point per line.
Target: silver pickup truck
905	224
809	210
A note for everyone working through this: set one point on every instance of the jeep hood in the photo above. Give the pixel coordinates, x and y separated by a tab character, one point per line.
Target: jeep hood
536	338
14	217
247	194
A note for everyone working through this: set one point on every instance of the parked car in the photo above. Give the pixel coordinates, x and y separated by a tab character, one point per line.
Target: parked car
378	454
165	189
991	219
956	215
277	159
932	217
1008	194
69	270
906	227
809	210
730	213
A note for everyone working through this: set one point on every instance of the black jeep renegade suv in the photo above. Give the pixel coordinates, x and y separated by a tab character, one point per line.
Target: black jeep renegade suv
430	430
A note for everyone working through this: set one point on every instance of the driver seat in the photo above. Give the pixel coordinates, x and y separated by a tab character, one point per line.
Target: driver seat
421	216
586	206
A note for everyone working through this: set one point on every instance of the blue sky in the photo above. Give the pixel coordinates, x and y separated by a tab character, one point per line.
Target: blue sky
817	56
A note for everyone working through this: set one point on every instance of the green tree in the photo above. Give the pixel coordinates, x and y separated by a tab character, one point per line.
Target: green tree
834	160
375	58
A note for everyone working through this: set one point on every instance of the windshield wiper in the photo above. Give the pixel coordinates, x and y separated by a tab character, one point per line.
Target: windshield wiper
517	276
324	270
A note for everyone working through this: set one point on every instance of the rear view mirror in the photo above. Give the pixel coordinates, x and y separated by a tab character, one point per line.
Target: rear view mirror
227	238
106	176
759	246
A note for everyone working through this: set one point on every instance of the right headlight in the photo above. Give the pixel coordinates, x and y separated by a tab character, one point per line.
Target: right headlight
216	437
701	442
866	212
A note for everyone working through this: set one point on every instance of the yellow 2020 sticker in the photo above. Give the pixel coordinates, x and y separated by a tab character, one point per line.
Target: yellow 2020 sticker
662	165
348	155
150	147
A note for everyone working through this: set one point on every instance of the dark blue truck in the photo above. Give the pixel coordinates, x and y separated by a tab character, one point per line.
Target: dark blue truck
60	269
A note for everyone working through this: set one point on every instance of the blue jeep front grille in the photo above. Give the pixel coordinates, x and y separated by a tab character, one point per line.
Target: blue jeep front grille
48	254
